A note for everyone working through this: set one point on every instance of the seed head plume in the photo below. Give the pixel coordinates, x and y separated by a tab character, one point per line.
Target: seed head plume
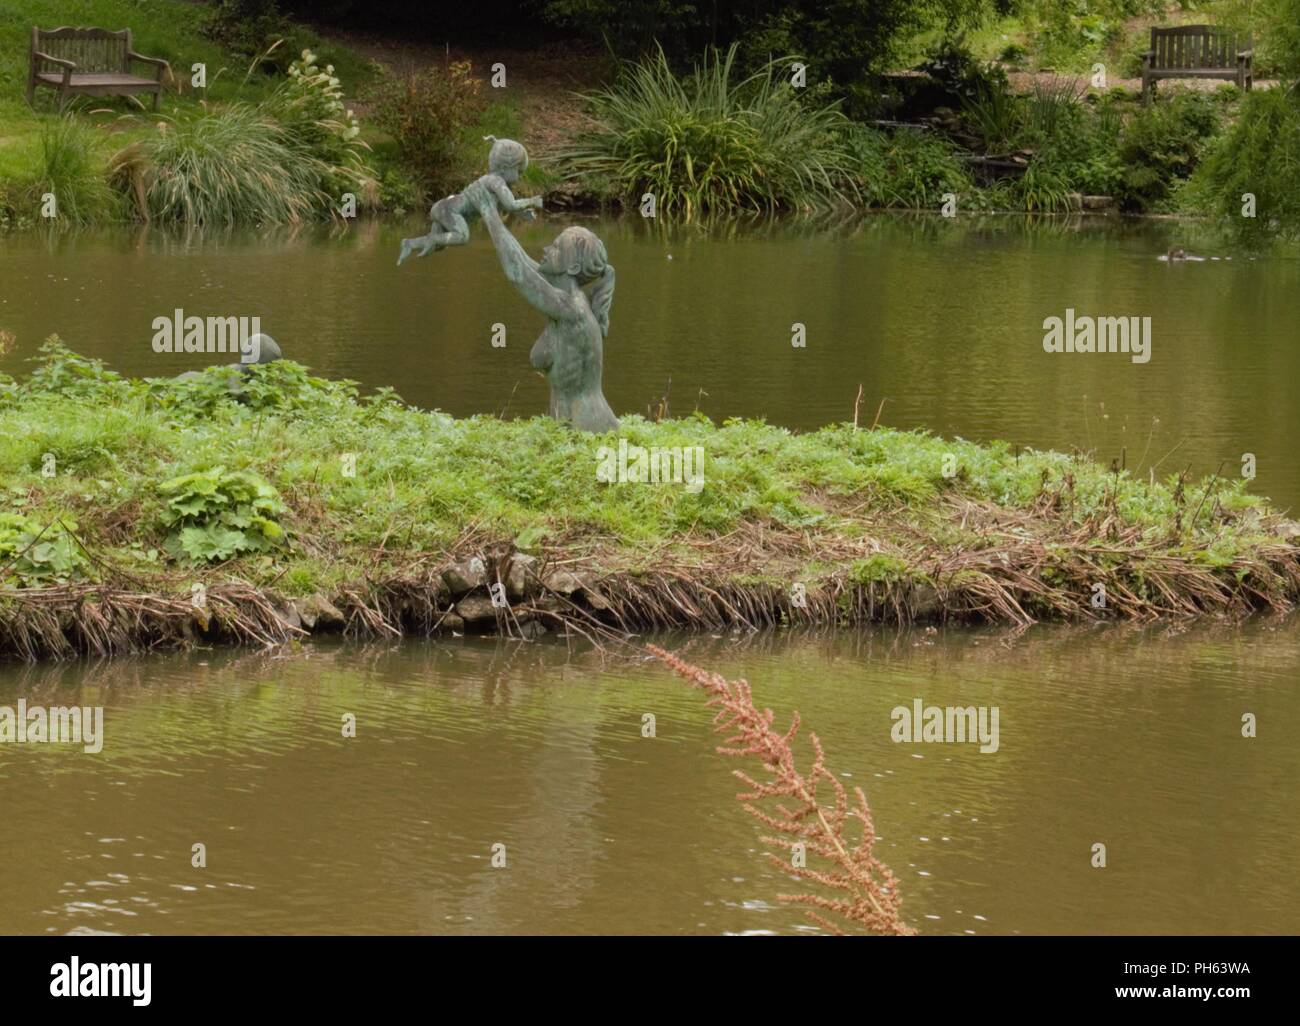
864	892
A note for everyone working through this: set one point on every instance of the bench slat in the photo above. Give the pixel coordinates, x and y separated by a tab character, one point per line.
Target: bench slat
97	79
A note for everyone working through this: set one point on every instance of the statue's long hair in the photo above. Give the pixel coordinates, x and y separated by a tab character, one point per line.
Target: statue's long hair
583	255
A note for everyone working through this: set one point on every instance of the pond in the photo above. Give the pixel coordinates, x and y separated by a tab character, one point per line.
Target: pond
942	319
1129	738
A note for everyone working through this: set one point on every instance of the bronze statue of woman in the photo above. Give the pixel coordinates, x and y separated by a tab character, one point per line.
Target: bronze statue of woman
570	350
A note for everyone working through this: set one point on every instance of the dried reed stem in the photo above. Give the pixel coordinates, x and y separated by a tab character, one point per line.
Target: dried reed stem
866	890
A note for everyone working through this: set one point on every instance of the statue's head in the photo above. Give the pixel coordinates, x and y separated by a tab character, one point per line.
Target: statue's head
578	253
507	158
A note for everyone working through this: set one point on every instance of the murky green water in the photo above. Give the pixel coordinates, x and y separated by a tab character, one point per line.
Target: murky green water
1128	738
942	319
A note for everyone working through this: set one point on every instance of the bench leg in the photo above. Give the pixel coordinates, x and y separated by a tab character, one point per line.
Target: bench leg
31	92
157	99
1148	88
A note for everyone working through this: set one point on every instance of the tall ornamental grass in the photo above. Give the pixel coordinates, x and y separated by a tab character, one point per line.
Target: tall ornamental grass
706	143
226	166
289	158
69	169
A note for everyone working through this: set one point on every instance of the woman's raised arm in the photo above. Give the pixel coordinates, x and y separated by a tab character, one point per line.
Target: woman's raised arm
520	268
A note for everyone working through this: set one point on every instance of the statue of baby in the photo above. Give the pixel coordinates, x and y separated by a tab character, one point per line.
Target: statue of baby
507	160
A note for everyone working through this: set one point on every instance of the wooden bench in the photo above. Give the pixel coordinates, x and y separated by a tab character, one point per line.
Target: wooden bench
1196	51
90	61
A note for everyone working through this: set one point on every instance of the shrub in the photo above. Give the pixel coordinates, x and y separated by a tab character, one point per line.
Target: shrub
706	143
951	64
256	31
309	107
907	169
427	115
1076	144
245	26
284	160
215	515
1161	145
1260	155
61	371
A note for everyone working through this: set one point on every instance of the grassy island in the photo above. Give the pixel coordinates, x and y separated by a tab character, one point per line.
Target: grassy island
259	504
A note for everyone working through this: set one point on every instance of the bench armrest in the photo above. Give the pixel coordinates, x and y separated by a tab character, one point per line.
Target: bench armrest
1245	54
163	68
68	67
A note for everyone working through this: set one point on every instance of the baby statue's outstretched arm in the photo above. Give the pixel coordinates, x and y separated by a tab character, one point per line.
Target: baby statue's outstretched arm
506	199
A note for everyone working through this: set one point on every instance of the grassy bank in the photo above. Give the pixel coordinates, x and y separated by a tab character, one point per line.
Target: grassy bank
41	151
122	496
260	141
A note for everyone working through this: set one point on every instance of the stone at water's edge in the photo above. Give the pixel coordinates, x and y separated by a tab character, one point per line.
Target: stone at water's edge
319	612
476	609
462	578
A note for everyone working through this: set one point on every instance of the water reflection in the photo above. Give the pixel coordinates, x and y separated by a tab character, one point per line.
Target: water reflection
1126	736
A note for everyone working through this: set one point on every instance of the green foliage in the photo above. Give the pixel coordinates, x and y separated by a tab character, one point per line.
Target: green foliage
428	114
280	386
427	477
878	569
907	168
707	143
60	370
841	40
70	170
1161	145
257	31
1259	154
995	117
247	27
215	515
310	110
286	159
1281	19
951	64
37	553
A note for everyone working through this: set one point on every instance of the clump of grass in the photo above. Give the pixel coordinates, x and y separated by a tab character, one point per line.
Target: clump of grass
283	160
224	166
908	168
70	172
709	143
865	891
